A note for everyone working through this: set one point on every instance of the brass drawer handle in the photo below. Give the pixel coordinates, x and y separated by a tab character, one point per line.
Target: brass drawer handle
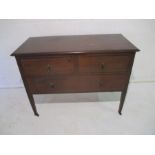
49	67
102	66
52	85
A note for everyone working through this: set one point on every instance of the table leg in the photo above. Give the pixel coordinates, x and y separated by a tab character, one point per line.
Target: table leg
123	95
31	99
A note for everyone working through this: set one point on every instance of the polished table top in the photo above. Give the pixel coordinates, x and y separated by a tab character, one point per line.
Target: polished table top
76	44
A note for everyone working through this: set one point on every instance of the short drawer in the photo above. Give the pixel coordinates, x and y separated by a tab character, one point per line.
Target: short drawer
104	63
47	66
77	84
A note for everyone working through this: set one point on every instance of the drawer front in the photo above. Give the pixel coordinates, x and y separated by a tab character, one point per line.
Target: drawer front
77	84
104	64
47	66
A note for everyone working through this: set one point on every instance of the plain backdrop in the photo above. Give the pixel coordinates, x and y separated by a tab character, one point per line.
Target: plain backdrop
14	32
73	9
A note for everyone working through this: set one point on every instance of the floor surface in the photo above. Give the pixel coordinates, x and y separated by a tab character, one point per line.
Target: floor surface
88	113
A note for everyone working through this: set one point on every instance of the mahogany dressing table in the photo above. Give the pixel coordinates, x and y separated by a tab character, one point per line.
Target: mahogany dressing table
75	64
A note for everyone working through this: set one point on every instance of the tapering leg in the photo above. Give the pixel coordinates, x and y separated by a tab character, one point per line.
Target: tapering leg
31	99
123	95
29	94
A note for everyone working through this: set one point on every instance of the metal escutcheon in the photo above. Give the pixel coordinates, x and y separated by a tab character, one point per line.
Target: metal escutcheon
52	85
102	66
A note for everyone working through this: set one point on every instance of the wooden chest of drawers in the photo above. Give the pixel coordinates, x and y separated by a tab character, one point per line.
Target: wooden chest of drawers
74	64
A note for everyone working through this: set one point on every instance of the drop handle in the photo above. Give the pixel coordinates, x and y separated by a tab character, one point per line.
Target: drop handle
49	67
52	85
102	66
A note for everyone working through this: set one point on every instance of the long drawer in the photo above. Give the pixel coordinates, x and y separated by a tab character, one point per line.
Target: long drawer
45	66
77	84
104	63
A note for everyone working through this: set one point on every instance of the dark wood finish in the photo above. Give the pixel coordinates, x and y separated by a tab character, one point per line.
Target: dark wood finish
124	91
104	63
29	94
74	64
123	95
76	84
75	44
47	66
